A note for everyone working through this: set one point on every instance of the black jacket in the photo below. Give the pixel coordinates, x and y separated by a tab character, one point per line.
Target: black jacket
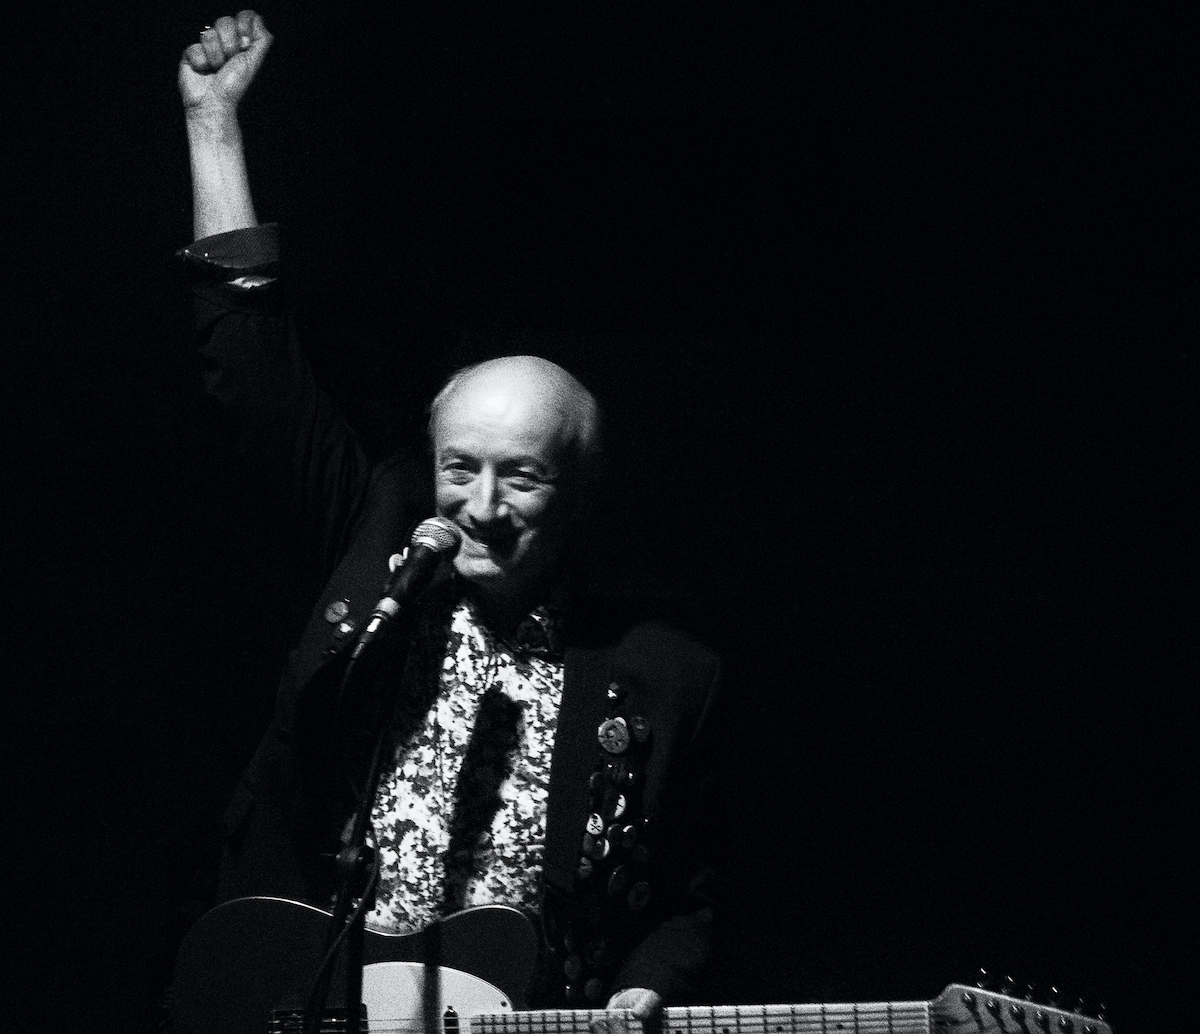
647	925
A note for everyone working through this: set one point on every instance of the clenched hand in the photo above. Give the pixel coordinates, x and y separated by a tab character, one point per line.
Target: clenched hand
216	72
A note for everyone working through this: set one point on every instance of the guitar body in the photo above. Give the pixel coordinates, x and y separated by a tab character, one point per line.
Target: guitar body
250	957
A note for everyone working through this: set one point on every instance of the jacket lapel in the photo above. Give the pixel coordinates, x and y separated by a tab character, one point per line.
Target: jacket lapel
582	709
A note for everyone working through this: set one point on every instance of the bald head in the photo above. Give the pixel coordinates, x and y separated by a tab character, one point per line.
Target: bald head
525	390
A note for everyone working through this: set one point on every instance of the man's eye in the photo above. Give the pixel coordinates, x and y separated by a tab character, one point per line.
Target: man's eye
456	475
525	480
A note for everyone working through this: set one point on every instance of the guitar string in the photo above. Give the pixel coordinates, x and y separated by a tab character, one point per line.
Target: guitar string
863	1024
865	1018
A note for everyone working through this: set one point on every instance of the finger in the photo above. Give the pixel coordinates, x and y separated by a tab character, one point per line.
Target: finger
641	1002
211	42
245	28
227	33
260	42
259	36
248	22
647	1006
196	58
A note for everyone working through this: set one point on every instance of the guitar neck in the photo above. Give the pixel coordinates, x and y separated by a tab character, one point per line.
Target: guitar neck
860	1018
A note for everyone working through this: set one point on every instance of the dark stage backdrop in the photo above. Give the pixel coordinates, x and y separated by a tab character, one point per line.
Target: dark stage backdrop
888	310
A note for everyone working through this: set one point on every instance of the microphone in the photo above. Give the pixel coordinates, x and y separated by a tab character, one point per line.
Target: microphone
433	541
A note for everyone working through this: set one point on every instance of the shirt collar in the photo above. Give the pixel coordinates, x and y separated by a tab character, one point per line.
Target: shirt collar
539	634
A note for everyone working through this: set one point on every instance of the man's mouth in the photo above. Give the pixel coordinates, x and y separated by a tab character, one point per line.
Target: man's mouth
491	543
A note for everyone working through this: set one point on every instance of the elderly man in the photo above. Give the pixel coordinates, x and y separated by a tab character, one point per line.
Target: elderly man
546	752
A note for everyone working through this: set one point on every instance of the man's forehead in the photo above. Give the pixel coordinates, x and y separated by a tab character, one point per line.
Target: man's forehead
506	391
495	398
501	415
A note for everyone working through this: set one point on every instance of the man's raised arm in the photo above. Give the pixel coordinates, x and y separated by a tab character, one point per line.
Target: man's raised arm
213	77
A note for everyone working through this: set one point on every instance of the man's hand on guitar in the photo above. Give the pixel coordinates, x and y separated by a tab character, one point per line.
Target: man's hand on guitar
640	1002
216	72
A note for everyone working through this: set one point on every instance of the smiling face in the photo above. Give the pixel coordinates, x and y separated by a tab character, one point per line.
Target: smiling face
502	446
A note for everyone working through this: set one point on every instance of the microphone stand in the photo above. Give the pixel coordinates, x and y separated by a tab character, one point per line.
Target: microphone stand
356	870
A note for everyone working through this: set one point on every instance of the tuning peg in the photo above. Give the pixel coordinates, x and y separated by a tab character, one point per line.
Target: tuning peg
984	980
1008	986
1056	997
1102	1011
1029	991
1080	1006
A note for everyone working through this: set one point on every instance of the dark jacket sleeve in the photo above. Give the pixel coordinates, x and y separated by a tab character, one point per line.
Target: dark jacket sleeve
301	451
286	429
673	955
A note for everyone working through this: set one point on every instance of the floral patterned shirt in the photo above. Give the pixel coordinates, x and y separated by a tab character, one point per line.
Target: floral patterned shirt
461	818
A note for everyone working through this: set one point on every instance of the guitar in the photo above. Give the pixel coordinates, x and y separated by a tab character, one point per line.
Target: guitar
246	968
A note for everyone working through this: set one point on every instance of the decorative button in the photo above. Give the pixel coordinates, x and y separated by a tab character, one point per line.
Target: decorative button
614	736
616	693
620	806
586	868
595	847
626	836
337	611
595	824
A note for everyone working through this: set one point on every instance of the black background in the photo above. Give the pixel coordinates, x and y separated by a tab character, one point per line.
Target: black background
891	312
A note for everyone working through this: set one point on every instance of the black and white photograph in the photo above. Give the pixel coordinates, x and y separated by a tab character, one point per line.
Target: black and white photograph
583	518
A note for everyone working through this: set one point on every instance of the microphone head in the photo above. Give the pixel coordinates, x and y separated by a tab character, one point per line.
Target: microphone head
438	534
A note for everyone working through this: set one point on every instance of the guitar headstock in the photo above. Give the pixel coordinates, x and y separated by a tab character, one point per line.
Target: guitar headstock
961	1009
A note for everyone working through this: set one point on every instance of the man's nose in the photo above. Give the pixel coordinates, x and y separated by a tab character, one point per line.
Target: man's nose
486	502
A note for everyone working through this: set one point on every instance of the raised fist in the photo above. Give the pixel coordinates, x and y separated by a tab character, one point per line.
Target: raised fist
216	71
